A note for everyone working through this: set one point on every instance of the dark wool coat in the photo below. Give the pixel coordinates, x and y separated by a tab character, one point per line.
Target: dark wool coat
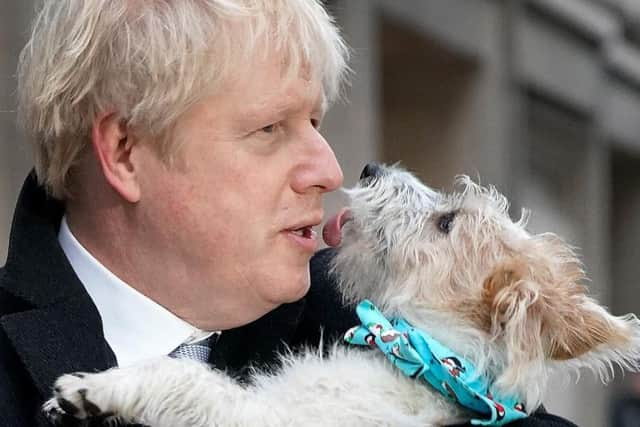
49	325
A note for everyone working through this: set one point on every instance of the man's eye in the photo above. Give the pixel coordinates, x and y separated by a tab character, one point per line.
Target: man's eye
315	123
445	222
269	128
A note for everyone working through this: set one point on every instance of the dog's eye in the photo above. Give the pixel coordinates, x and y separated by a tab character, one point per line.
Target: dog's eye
445	222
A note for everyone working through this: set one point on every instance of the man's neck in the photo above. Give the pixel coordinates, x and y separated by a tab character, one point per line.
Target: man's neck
117	241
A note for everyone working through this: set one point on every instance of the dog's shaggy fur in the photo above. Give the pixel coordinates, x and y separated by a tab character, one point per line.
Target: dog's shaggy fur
454	265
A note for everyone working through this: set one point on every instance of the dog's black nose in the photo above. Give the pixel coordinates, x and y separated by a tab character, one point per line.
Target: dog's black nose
371	170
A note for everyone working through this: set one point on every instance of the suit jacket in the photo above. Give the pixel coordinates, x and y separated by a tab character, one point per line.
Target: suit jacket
49	325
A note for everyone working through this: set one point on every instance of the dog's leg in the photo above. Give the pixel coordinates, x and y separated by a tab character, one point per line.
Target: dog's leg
162	393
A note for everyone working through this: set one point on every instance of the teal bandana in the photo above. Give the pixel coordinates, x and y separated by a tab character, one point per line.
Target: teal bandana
417	355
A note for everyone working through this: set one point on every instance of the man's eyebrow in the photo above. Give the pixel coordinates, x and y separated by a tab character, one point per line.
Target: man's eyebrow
259	111
263	112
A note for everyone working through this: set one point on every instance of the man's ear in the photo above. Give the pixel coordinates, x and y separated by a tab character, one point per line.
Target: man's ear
113	146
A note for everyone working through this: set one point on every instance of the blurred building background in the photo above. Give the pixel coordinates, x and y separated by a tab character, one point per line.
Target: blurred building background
539	97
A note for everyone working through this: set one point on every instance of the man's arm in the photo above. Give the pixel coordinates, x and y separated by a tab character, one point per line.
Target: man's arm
538	419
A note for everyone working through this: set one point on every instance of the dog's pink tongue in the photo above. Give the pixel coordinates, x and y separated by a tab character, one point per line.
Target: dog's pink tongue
332	230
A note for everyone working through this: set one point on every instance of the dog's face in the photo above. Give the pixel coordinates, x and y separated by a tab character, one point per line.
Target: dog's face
459	266
406	244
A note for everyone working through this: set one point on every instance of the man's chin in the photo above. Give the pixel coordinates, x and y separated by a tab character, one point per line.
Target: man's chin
295	290
303	289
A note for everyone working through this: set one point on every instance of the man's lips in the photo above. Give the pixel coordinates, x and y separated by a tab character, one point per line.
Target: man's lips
304	234
332	230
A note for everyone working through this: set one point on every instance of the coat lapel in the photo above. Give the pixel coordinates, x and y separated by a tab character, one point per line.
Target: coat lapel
57	340
59	329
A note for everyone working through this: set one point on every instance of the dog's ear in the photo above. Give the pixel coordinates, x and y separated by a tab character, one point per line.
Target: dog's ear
516	316
588	327
575	325
541	311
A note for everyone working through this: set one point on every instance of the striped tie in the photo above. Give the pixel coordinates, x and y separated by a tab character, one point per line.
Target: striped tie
199	350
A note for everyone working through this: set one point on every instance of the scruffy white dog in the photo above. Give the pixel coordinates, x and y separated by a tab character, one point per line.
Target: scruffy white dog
454	265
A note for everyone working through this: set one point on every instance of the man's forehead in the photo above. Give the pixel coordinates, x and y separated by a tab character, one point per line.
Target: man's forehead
304	96
263	77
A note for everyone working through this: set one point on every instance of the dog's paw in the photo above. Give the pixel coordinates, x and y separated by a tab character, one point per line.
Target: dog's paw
53	411
73	397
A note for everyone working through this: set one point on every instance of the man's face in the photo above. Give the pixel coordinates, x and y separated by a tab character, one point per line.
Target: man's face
230	224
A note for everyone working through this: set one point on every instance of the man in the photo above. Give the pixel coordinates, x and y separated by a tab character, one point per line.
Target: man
178	174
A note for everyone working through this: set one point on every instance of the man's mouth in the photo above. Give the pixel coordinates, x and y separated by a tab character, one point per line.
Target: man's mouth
332	230
304	235
305	232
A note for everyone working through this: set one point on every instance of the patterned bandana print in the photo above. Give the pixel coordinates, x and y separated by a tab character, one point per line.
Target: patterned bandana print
418	355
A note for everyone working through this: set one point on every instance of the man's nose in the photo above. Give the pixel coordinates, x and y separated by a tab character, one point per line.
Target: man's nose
330	174
322	170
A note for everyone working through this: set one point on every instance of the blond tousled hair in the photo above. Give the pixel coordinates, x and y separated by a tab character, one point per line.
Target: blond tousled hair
149	61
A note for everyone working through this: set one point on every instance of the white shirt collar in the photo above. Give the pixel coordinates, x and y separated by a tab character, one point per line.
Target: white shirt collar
136	327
